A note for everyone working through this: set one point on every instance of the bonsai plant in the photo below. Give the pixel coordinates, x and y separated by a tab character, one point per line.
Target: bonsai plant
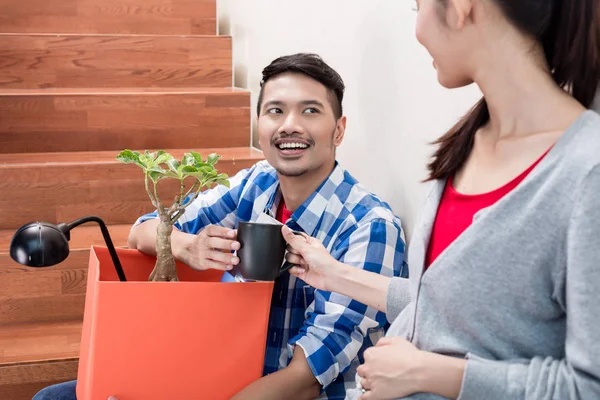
160	165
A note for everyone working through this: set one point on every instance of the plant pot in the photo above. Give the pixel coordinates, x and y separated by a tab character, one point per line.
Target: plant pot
194	339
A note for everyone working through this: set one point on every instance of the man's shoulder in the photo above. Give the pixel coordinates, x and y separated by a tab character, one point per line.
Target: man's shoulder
364	205
261	174
262	167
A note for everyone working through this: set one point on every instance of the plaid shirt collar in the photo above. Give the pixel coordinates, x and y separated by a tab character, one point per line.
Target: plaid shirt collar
307	216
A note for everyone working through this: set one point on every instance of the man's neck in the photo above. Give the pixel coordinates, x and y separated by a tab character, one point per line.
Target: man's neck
296	190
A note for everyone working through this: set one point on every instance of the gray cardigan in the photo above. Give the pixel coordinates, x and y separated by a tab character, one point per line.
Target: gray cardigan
518	293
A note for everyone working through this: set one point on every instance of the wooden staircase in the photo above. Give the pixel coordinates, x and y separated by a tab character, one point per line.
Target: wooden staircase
79	81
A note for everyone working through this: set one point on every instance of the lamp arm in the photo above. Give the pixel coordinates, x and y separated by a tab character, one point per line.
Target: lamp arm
109	244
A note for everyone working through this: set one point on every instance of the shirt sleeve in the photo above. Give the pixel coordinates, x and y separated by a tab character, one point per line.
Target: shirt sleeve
336	325
577	375
216	206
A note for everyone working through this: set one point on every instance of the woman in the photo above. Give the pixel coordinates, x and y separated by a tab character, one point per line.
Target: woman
502	302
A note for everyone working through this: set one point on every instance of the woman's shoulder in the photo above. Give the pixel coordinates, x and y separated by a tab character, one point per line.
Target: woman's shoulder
580	147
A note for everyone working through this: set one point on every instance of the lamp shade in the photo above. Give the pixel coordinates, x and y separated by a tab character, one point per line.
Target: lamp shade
40	244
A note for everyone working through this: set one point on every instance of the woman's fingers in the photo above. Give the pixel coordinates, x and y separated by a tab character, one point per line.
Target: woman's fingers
298	271
365	384
367	396
294	259
290	249
366	387
294	239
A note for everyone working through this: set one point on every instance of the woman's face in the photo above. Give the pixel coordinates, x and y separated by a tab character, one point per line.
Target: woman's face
440	32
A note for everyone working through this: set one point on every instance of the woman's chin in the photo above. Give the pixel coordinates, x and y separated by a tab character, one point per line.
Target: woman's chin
452	82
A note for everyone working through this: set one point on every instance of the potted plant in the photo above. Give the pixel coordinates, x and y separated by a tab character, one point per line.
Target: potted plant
161	165
195	338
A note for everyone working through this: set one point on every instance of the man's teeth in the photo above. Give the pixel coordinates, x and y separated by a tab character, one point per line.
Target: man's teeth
293	146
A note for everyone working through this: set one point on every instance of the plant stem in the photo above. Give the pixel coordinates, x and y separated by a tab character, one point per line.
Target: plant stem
194	188
165	269
156	193
152	199
177	215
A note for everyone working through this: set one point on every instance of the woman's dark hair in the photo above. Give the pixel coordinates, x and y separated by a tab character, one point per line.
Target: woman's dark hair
569	31
312	66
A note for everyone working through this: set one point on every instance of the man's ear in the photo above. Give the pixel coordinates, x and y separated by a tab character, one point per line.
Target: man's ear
459	13
340	130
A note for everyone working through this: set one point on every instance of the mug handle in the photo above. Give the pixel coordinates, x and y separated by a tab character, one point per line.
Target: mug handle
287	265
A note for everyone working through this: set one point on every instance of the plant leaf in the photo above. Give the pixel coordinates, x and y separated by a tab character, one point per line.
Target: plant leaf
158	169
213	158
156	176
180	170
157	173
131	157
173	165
162	157
189	170
160	165
188	159
197	156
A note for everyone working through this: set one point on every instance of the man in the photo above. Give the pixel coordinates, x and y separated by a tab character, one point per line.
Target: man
315	339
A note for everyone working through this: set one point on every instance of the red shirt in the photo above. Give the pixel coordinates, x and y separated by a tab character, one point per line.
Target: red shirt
456	212
283	214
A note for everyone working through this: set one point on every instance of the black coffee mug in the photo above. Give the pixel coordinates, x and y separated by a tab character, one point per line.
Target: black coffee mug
261	253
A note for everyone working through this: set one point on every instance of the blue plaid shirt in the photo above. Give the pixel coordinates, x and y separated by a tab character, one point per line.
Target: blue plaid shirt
355	226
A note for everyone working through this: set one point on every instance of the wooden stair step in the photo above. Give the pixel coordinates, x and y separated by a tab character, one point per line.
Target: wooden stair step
82	238
57	187
168	17
39	120
36	355
75	60
52	293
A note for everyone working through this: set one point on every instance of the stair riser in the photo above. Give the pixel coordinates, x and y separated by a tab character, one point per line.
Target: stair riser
39	123
78	258
73	61
23	381
175	17
114	192
43	296
42	309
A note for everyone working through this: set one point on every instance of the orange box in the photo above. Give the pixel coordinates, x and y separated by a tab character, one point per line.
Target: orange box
194	339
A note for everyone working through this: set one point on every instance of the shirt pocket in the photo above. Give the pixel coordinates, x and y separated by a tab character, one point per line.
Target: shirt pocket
308	294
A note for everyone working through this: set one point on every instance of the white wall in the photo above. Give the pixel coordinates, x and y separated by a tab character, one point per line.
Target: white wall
393	102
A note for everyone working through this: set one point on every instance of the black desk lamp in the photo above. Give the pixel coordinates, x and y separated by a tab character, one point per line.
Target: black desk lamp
41	244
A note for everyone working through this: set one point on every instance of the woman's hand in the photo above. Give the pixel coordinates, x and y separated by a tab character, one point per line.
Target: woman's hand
396	368
391	369
313	260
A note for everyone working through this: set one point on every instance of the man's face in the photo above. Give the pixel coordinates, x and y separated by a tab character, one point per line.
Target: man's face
297	129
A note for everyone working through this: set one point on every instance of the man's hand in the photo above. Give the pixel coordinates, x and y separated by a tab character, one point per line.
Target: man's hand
210	249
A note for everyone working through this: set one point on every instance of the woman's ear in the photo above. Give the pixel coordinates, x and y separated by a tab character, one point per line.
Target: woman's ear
459	13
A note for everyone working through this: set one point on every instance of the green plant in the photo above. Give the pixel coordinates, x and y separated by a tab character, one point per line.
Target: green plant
160	165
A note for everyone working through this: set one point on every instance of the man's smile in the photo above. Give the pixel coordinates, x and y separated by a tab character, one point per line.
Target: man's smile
292	147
